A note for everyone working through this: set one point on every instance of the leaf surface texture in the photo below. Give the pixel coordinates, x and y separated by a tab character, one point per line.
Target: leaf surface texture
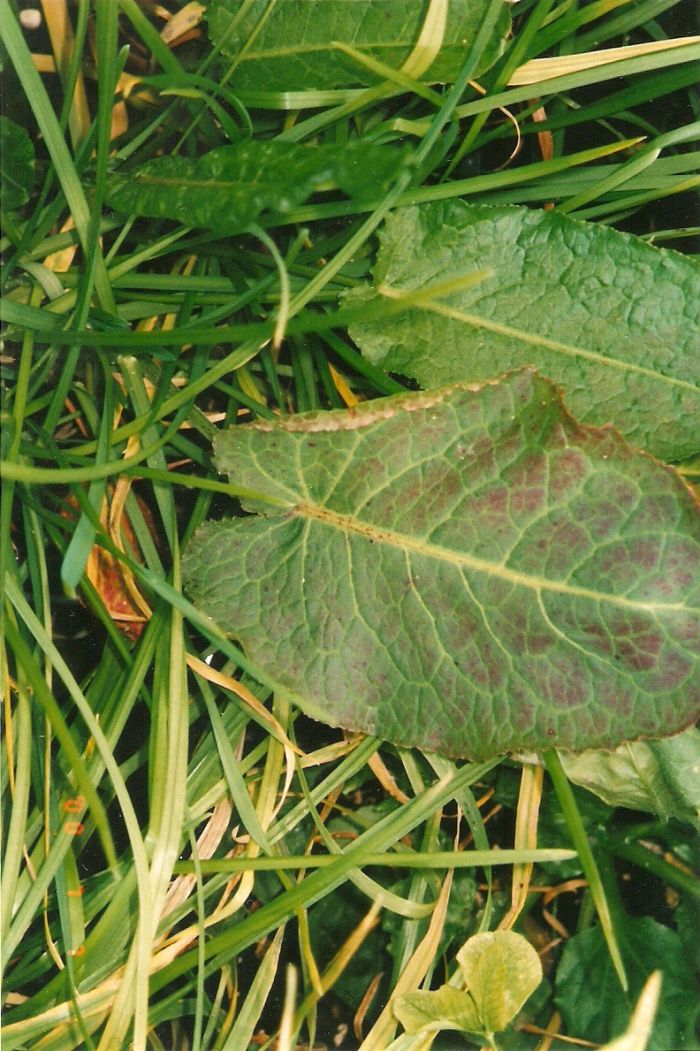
615	321
227	188
16	164
466	570
290	46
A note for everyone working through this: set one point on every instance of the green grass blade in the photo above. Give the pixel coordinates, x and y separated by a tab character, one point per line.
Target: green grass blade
61	729
579	838
21	734
63	163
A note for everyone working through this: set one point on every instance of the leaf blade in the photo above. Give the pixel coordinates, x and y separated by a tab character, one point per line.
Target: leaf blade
17	162
467	570
292	47
615	321
501	970
591	1000
227	188
424	1011
659	777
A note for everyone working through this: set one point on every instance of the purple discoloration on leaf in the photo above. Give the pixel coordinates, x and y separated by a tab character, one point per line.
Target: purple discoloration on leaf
495	592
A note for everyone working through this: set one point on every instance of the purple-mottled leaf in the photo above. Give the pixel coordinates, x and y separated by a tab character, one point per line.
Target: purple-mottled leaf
467	570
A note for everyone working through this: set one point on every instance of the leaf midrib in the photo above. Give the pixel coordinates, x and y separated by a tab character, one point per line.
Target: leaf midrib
323	47
180	181
570	349
405	542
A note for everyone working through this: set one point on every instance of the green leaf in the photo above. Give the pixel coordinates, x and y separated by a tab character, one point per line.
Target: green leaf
227	188
466	570
443	1008
613	320
16	165
292	46
636	1036
660	777
501	969
594	1006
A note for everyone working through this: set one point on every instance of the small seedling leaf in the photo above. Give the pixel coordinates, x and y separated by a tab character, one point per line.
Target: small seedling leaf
501	969
443	1008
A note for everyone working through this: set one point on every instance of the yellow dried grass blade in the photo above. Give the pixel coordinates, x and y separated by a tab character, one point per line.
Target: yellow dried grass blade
341	385
531	781
227	682
184	20
539	69
384	1028
61	36
429	40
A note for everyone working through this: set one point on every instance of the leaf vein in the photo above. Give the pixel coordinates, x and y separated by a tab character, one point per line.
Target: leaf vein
348	524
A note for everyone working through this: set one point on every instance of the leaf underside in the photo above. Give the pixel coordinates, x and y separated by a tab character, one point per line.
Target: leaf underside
466	570
291	46
659	777
227	189
615	321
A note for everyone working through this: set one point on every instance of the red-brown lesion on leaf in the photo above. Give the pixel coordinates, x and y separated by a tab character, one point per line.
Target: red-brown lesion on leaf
112	579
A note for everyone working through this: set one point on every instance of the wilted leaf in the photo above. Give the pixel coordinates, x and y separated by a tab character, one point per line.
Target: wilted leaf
661	777
227	188
501	969
293	44
466	570
16	165
594	1006
444	1008
613	320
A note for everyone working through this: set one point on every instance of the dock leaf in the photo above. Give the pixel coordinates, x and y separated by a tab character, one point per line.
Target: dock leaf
613	320
228	188
467	570
291	46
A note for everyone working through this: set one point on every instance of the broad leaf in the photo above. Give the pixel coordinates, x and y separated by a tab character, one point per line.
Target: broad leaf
227	188
615	321
466	570
429	1011
636	1036
291	46
594	1006
660	777
16	165
501	969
